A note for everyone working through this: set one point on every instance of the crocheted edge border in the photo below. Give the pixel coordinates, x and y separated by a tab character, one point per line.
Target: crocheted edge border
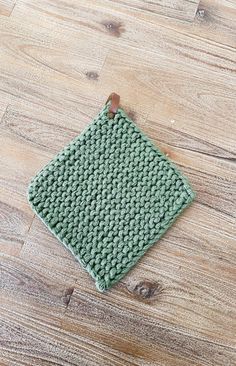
100	283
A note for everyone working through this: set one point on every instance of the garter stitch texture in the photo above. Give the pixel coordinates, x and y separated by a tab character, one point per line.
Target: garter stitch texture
108	196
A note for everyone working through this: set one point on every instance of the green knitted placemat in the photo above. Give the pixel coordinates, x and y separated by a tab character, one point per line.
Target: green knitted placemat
109	195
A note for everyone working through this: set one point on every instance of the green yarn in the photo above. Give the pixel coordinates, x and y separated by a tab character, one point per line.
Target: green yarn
108	196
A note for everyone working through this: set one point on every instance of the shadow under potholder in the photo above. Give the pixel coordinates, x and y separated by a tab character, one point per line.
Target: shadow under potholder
109	195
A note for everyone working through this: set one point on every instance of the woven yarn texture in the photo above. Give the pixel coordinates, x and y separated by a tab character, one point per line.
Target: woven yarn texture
109	195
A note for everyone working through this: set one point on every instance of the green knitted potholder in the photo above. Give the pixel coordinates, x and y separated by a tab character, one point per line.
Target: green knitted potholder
109	195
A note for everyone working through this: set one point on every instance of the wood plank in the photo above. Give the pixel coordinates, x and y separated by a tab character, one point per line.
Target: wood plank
6	7
59	124
214	21
180	9
87	311
176	133
42	127
45	251
19	163
176	92
29	299
42	341
57	81
203	249
48	129
4	101
16	218
31	309
180	291
100	89
27	284
39	344
116	29
161	77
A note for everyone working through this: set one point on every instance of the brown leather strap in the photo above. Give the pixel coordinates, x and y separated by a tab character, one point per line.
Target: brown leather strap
115	100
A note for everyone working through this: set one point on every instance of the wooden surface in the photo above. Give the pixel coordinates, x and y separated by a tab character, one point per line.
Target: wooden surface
174	65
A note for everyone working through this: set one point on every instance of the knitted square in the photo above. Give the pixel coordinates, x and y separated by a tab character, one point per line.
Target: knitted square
109	195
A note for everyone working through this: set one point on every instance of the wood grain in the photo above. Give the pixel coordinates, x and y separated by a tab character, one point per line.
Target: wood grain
44	341
41	249
213	21
180	9
6	7
217	21
173	89
142	329
115	28
174	65
4	101
16	218
18	163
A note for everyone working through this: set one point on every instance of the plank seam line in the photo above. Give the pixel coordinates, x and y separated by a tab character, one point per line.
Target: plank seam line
5	112
12	8
153	24
26	235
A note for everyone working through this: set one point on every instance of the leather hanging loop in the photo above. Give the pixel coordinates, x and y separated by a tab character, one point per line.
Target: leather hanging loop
115	101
